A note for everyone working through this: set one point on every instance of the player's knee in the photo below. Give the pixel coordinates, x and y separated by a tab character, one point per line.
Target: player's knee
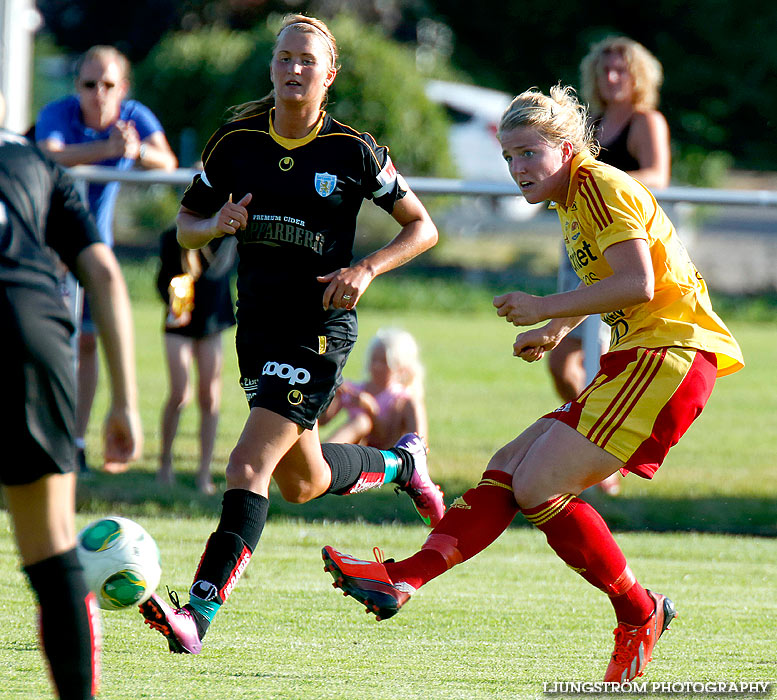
501	458
297	491
240	472
531	489
237	474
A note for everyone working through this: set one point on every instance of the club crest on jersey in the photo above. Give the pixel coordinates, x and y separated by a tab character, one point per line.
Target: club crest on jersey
325	183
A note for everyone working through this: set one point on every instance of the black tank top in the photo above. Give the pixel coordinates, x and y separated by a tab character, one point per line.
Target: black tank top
617	153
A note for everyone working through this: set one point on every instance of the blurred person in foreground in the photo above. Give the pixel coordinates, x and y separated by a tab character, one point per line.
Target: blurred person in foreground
100	126
668	346
196	286
390	401
43	221
288	181
621	80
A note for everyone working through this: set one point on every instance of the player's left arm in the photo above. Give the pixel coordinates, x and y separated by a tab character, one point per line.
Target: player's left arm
418	234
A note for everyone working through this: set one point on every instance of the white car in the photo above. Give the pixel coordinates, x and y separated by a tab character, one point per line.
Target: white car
476	113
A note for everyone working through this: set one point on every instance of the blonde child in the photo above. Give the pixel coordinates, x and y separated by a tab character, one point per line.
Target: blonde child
390	401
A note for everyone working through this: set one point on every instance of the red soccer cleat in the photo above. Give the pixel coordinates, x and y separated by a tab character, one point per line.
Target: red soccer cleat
368	582
634	645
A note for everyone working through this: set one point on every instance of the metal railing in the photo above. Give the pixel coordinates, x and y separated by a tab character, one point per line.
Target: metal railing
444	186
465	188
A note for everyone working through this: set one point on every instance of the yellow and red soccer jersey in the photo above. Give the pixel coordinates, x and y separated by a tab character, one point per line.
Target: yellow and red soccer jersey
606	206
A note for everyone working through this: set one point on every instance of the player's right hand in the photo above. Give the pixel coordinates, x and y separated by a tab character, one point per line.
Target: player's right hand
232	216
122	435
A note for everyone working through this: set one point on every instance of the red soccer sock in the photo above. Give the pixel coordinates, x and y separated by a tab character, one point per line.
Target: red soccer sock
634	607
577	533
472	522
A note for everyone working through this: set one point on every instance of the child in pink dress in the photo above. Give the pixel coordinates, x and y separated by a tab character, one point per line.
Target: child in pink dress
390	402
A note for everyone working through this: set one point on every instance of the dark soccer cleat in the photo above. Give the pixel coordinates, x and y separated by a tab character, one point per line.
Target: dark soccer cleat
368	582
427	496
634	645
177	625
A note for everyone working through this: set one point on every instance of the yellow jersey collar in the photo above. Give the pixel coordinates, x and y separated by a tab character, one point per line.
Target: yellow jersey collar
580	160
290	144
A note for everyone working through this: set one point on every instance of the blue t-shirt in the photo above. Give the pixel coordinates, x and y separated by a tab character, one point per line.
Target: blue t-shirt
62	120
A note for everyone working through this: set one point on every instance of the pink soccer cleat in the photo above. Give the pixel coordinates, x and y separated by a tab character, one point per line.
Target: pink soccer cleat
427	496
177	625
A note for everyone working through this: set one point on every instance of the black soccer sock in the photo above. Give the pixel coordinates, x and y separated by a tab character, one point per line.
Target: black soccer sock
406	466
69	624
357	468
227	553
244	513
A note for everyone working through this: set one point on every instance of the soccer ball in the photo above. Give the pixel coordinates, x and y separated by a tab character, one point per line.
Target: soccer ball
120	560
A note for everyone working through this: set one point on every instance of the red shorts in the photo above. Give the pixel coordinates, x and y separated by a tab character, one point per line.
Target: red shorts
641	403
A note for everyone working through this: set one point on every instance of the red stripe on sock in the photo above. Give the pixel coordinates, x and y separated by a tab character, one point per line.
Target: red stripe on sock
623	583
367	480
444	545
242	563
96	634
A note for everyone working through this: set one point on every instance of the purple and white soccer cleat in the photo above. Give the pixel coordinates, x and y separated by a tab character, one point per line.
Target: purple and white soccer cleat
427	496
177	625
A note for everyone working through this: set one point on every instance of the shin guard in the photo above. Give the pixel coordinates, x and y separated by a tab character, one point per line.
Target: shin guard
223	562
69	620
355	468
229	548
471	523
579	535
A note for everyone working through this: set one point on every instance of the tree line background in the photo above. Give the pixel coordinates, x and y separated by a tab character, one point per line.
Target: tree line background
193	59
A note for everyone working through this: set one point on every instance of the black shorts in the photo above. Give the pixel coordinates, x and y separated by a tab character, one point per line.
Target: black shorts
297	381
39	386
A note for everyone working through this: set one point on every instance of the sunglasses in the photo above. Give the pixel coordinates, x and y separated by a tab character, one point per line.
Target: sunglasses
93	84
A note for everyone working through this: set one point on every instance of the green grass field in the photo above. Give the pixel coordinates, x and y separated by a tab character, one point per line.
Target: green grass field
719	478
497	627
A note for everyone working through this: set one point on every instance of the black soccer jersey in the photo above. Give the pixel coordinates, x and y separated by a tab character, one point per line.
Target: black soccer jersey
302	218
40	210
